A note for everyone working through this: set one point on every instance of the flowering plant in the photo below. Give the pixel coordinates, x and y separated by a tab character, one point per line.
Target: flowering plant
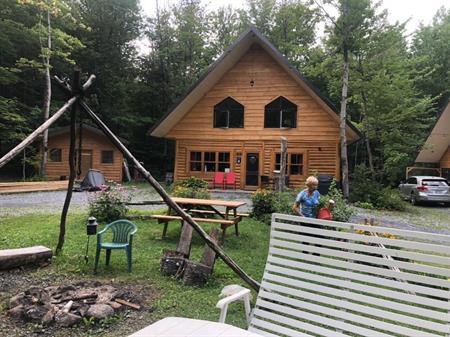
109	203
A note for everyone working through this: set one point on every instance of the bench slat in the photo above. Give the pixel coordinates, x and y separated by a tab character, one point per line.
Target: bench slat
174	217
421	268
259	323
348	316
351	275
399	253
438	238
331	301
377	291
414	245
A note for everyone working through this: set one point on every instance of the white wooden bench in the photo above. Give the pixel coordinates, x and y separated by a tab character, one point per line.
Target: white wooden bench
325	278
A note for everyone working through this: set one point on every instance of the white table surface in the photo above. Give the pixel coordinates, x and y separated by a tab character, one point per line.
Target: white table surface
186	327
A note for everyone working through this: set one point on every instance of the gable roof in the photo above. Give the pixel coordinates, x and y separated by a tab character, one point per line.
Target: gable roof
438	141
86	127
224	63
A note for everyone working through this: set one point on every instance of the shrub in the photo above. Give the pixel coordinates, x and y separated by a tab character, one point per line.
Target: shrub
191	188
362	204
342	211
363	188
390	199
109	204
283	201
263	203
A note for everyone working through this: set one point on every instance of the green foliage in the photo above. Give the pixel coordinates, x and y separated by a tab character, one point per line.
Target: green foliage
191	188
109	204
263	203
341	211
367	193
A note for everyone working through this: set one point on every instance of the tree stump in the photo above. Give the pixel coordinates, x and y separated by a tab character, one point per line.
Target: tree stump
172	263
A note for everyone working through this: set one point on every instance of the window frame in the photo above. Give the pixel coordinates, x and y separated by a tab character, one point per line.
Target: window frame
228	112
102	158
217	162
289	155
280	113
59	160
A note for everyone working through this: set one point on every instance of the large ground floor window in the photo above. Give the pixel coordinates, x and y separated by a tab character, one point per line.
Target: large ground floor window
209	161
294	163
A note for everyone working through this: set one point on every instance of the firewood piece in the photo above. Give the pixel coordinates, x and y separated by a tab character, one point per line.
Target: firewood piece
76	298
172	263
184	245
10	258
196	273
67	307
128	304
209	255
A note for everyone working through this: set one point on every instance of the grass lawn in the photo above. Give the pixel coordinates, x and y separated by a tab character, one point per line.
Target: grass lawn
249	250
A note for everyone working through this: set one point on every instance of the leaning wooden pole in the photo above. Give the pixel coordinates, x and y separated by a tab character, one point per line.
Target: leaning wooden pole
27	141
72	172
186	217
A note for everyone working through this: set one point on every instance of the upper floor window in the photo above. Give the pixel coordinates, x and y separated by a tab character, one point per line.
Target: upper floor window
280	113
107	157
55	155
229	114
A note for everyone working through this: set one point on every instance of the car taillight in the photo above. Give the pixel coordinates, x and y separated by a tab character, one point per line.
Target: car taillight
422	188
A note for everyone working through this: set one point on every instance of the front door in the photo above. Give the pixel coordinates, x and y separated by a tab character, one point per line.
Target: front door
86	162
252	170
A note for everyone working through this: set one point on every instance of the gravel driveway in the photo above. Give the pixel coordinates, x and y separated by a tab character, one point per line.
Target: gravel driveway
52	202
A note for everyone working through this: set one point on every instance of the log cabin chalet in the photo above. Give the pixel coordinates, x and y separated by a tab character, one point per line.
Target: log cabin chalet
97	152
233	119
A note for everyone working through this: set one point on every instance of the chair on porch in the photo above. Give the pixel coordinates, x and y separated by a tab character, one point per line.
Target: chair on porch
219	179
122	238
230	179
348	280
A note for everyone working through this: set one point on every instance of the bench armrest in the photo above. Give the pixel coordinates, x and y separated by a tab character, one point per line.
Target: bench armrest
243	295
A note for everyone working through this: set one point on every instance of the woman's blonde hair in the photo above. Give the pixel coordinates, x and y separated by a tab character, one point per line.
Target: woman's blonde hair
311	180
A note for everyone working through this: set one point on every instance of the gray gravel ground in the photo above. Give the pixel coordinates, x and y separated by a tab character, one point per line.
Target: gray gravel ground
52	202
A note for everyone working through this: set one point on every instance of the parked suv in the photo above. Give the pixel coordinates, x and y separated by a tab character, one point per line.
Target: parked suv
425	189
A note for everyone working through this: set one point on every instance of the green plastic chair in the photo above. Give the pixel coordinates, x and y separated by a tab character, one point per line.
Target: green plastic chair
123	231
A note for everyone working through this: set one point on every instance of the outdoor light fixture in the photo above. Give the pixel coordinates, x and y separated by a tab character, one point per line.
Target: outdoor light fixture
252	83
91	229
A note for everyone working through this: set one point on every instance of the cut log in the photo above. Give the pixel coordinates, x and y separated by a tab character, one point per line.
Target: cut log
11	258
196	274
209	255
184	245
172	263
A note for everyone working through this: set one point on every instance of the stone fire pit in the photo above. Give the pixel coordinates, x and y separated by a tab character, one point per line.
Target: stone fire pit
67	305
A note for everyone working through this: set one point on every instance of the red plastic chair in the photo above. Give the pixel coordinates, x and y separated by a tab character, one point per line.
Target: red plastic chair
219	179
230	179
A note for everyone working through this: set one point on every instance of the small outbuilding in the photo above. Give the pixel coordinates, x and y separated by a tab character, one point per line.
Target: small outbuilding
436	150
97	152
233	118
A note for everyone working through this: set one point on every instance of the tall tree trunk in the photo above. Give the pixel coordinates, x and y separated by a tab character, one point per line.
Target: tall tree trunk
47	96
343	120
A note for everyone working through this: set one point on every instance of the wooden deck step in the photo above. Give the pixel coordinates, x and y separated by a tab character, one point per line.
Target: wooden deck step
10	258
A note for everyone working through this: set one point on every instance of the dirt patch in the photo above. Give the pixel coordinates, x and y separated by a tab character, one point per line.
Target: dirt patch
122	323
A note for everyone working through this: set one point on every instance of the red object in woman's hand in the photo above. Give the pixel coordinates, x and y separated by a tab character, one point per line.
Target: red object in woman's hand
324	214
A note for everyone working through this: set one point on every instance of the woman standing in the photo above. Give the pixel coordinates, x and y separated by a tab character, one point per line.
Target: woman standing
308	199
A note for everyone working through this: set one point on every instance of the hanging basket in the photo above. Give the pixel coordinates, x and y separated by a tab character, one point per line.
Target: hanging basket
172	263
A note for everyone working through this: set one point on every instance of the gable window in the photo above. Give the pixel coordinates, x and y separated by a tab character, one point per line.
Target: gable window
55	155
294	163
107	157
209	161
280	113
229	114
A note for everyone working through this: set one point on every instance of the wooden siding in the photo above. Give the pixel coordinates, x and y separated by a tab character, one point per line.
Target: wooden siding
316	135
270	82
91	141
445	160
318	158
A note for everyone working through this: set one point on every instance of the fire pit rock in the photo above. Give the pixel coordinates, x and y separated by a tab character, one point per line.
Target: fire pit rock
100	311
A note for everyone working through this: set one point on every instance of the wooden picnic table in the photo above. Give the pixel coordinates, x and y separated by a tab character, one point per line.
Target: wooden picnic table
230	206
228	218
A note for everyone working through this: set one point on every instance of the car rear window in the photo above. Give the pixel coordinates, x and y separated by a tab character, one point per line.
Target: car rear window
434	182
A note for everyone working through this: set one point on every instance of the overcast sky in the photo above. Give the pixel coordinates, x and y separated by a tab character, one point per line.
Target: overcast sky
399	10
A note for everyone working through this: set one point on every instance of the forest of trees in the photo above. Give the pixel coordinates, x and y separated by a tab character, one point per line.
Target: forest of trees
398	83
